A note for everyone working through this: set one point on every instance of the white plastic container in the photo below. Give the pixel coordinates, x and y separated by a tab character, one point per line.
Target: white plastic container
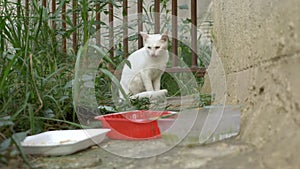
201	126
63	142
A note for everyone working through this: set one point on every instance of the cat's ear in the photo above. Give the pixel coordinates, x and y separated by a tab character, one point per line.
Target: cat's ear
164	36
144	35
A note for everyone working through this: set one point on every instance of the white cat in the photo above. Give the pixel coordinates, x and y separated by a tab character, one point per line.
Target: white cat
147	67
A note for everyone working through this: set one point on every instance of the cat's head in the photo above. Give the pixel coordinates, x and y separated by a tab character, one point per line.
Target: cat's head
155	44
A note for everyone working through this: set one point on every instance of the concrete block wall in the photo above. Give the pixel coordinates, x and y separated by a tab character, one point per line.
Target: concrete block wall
259	45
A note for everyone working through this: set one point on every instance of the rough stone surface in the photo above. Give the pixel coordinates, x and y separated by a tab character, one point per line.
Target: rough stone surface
259	44
185	157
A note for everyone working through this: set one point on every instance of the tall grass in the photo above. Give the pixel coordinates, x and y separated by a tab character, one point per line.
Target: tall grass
36	77
33	72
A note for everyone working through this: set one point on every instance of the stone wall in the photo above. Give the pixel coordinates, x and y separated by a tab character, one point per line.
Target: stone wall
259	45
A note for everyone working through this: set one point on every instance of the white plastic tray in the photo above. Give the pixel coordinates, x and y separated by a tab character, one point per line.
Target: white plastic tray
62	142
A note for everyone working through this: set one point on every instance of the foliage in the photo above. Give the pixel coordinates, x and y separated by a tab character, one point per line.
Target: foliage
36	76
10	147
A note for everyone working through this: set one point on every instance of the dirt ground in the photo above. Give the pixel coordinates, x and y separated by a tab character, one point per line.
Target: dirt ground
215	155
227	154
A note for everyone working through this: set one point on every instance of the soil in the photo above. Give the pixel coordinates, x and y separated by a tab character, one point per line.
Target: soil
185	157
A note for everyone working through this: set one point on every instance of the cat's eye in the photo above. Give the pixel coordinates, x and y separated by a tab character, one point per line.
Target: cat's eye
157	47
149	47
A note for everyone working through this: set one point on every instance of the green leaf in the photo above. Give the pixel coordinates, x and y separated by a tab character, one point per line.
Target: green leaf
63	121
127	63
62	98
6	72
17	138
115	81
6	121
133	37
102	53
5	144
187	21
49	113
183	6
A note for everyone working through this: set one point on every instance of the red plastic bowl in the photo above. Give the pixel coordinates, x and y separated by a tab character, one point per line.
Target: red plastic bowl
133	125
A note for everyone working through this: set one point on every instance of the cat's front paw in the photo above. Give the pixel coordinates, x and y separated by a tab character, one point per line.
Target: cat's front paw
165	91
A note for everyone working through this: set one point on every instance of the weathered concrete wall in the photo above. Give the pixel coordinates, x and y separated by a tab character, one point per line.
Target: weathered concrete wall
259	44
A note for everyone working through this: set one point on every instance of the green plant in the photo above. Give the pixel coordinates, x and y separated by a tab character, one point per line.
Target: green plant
10	147
36	76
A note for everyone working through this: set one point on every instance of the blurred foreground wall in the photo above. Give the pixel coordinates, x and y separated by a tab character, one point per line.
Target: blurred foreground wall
259	44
